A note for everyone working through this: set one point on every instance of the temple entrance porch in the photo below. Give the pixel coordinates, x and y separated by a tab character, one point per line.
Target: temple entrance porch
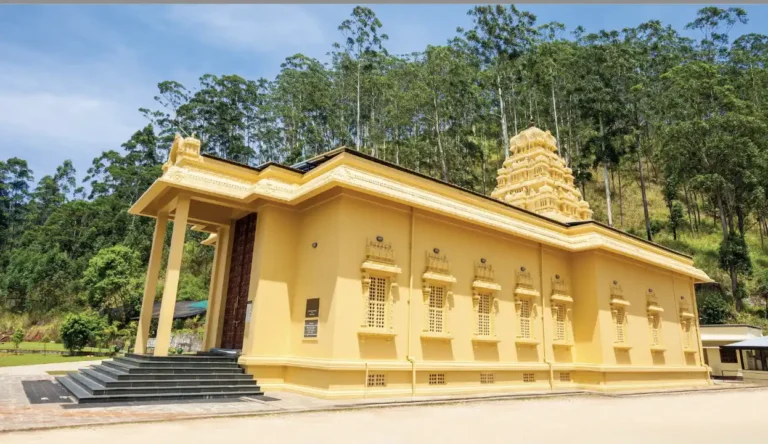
232	232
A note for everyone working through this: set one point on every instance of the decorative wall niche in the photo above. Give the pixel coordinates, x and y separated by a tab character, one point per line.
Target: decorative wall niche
562	321
379	280
484	303
526	304
687	319
654	320
619	316
436	286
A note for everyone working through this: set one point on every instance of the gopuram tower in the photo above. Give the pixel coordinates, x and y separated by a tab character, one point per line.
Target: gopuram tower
535	178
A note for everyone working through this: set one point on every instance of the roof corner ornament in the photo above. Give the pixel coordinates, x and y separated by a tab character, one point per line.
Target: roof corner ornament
182	148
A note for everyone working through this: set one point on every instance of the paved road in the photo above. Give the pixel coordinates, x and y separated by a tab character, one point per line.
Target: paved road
724	417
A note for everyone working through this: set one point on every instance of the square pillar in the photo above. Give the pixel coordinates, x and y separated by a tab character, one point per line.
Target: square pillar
216	291
150	285
168	304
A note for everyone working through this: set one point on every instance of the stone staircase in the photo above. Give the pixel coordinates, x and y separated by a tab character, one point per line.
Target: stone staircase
136	378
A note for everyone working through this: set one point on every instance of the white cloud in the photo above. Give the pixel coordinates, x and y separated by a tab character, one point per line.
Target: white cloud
54	108
255	28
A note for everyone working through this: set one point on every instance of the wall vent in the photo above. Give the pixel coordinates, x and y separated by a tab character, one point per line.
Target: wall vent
529	377
437	379
377	380
486	378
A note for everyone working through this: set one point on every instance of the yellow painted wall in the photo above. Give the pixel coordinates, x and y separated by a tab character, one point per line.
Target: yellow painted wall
287	271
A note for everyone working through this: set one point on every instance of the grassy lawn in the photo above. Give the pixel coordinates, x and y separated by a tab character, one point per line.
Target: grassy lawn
10	360
40	346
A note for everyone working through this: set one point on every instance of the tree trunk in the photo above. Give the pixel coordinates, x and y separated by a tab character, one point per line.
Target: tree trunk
740	219
357	132
688	206
514	108
642	188
557	127
607	194
504	132
440	142
621	200
605	178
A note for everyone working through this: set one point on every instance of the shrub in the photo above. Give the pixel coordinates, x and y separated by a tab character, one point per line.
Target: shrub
18	337
80	330
714	308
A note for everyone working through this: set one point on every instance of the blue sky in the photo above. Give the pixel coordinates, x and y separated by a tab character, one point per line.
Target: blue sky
73	77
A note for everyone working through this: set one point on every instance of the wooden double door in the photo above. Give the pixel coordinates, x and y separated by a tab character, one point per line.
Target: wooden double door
239	283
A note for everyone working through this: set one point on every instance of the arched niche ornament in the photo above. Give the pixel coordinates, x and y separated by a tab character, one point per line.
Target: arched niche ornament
379	264
437	274
484	284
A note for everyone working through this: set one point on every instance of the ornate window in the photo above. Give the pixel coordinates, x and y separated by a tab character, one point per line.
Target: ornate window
654	323
565	377
524	328
436	308
526	297
484	303
619	314
484	314
654	320
379	274
376	312
687	334
620	321
560	322
561	313
486	378
436	287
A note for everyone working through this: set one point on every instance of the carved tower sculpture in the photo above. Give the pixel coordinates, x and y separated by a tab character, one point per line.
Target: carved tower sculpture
535	178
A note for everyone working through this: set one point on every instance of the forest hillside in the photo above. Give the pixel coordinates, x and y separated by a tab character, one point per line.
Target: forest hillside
667	137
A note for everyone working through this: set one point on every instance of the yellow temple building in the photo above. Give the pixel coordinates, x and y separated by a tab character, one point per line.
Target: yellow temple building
348	276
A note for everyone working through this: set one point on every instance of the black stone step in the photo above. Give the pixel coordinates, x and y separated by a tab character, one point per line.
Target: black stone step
97	389
213	358
109	382
181	368
162	363
125	376
84	397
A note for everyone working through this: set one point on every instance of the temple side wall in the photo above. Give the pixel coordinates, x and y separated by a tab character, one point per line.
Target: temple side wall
288	270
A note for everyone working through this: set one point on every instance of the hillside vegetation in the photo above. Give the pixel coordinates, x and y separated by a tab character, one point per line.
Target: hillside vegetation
672	130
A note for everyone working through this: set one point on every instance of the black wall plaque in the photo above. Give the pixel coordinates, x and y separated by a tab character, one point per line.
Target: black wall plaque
313	308
310	328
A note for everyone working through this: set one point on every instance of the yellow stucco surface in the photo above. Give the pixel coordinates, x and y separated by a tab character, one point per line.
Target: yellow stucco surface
368	240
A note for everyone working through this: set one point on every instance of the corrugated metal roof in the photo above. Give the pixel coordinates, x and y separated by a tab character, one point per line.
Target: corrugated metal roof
751	343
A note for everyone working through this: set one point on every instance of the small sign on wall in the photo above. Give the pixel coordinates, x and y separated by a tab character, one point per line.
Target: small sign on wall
248	309
151	342
313	308
310	328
